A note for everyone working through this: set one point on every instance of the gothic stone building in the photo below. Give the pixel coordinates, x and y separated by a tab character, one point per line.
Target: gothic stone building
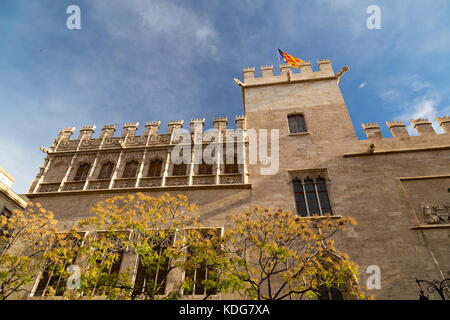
9	200
398	189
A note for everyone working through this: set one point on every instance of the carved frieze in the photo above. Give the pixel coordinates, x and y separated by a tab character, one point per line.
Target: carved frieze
435	213
150	182
68	145
49	187
231	179
177	181
136	141
73	185
159	139
99	184
90	144
204	180
125	183
112	143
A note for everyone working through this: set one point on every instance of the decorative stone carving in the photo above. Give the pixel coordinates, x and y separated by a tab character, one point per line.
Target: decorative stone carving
202	180
177	181
436	214
99	184
49	187
90	144
68	145
150	182
125	183
112	143
74	185
159	139
136	141
231	179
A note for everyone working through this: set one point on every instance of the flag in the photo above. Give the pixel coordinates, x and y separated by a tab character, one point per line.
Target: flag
291	60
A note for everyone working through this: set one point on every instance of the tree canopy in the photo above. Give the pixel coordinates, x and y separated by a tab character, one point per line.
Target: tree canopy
142	247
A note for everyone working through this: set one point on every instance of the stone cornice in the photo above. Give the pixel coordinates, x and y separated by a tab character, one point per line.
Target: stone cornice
11	195
362	154
443	176
288	81
6	173
432	226
140	189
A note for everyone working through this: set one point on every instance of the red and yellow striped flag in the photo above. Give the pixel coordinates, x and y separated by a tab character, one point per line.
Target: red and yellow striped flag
291	60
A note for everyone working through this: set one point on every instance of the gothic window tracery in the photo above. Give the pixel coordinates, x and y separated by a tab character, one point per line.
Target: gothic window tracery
106	170
311	196
130	169
154	170
82	172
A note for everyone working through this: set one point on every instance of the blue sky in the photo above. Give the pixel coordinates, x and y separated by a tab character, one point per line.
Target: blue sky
144	60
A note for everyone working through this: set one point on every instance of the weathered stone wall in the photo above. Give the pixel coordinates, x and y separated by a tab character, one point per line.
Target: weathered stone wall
370	186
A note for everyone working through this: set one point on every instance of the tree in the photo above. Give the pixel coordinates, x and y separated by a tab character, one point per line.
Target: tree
278	255
29	242
265	254
151	228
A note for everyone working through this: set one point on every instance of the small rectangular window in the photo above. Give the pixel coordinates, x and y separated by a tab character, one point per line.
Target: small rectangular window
296	123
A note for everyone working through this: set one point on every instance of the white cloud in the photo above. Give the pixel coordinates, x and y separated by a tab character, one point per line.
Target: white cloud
188	33
413	98
362	85
423	107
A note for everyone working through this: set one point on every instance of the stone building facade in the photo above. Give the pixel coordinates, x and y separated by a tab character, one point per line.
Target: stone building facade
398	189
9	200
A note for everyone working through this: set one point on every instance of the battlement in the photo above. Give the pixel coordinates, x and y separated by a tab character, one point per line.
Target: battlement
372	130
444	122
107	138
287	74
151	127
398	128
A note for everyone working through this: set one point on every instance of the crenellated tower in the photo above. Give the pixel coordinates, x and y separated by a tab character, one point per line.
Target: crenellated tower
397	189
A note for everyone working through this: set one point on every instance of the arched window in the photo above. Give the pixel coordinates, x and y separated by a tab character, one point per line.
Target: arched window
106	171
204	168
296	123
82	172
179	169
130	169
154	170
